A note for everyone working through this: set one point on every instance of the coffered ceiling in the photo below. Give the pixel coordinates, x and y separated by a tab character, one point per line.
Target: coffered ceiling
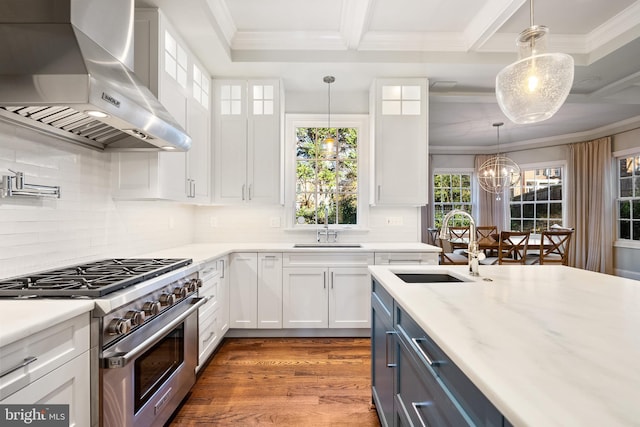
460	45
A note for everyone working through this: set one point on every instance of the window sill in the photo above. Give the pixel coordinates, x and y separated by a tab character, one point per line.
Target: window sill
630	244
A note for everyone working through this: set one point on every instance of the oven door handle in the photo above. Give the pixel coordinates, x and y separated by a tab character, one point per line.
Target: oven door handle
120	360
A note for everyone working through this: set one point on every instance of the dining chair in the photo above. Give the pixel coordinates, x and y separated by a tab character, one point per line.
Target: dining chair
432	235
512	248
554	247
460	233
484	235
448	257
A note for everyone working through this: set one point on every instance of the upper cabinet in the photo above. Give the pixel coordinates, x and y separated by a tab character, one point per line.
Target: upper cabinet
247	140
399	111
165	64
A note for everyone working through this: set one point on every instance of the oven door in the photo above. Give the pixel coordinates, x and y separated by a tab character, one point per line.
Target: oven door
145	376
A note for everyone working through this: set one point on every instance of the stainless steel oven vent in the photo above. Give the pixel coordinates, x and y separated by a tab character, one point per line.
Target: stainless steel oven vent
66	69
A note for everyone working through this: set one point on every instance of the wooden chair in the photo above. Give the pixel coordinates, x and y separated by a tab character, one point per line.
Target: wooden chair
484	235
554	247
432	236
459	233
448	257
512	248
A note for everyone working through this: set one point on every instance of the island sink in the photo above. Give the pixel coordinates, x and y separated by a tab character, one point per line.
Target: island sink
428	277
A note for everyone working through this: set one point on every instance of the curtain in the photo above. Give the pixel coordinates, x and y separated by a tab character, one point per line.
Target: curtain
489	211
590	205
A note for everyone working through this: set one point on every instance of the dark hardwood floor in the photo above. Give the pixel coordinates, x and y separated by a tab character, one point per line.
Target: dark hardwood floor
283	382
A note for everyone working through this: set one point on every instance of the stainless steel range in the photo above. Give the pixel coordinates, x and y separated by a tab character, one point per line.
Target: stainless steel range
144	329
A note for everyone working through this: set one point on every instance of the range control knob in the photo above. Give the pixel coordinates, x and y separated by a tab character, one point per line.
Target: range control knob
136	317
193	285
151	308
167	299
119	326
181	291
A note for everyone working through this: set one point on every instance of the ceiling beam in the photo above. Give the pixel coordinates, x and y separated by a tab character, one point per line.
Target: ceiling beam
354	20
489	20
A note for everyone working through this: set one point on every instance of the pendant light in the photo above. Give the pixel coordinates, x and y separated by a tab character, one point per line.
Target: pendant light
329	141
534	88
499	172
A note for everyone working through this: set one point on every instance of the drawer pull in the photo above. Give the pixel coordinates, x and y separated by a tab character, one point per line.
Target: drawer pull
209	337
386	350
405	261
431	362
416	405
27	361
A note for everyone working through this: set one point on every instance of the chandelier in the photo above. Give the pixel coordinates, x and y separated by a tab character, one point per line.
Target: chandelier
499	172
329	141
534	88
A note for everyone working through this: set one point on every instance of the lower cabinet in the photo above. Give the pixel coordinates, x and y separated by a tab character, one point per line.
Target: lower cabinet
414	382
315	295
213	316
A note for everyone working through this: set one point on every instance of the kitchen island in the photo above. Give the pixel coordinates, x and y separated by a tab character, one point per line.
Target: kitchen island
547	345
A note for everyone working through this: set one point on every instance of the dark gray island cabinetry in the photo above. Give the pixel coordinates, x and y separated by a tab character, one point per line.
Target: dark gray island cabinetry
414	383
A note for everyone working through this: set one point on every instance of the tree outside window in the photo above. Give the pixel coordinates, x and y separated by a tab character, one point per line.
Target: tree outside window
536	202
628	202
326	176
451	191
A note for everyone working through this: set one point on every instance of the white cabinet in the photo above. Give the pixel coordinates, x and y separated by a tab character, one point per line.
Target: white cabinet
326	290
213	316
399	109
59	374
174	75
247	141
425	258
255	290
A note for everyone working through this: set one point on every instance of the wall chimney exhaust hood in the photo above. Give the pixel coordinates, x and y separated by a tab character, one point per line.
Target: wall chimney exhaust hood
65	69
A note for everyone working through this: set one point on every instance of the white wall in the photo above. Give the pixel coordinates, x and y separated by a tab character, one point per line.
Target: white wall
85	223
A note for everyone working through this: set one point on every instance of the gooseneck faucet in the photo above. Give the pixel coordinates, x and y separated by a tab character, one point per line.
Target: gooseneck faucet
473	250
325	229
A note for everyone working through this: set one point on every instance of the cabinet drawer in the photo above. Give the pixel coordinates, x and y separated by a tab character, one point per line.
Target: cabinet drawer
51	348
383	297
463	392
425	258
333	259
209	332
210	269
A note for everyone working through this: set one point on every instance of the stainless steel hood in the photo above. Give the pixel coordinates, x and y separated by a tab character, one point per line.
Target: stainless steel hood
64	61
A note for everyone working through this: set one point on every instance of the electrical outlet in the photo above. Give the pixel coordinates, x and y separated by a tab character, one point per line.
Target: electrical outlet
213	221
275	222
394	220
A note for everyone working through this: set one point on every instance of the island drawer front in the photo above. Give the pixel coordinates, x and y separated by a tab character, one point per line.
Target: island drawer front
419	397
424	258
333	259
51	348
383	297
453	380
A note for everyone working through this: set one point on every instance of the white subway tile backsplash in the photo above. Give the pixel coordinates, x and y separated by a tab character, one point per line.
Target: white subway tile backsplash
85	223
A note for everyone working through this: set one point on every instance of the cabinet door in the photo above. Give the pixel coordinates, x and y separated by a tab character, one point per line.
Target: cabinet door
243	292
66	385
270	291
198	170
263	156
382	359
230	111
349	298
305	297
401	141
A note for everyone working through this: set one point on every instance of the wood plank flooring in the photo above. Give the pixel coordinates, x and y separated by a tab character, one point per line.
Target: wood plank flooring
283	382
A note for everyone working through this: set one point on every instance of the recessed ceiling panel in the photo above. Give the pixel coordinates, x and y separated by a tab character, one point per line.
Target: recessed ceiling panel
285	15
564	17
423	16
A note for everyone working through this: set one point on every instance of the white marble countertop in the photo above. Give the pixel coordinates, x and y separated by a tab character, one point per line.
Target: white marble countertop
548	345
21	318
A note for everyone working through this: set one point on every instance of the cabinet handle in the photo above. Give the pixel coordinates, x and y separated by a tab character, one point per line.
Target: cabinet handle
209	337
324	280
416	405
386	349
27	361
379	186
332	280
404	261
424	353
222	275
249	191
193	193
243	191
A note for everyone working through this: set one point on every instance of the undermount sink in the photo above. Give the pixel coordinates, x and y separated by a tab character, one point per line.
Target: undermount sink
428	277
327	245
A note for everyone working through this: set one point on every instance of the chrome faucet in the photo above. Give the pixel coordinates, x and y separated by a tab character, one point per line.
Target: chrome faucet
473	250
325	230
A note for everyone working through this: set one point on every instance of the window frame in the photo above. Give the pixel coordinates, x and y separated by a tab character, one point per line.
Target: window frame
554	164
453	171
294	121
618	242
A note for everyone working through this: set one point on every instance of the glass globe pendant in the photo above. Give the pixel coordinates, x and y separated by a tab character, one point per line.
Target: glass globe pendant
534	88
499	172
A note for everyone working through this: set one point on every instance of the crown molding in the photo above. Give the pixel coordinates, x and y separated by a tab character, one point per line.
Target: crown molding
625	21
418	42
223	18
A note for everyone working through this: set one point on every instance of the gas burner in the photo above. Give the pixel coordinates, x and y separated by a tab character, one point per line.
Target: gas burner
92	279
